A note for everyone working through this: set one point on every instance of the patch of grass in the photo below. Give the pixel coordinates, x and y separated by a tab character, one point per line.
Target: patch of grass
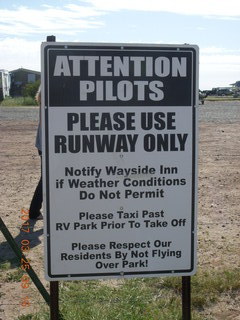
223	98
141	299
210	285
132	299
19	101
29	101
206	286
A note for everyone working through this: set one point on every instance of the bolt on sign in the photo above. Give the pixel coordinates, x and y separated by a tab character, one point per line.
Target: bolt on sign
119	162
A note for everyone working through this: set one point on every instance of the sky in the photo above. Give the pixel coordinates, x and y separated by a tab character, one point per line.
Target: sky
213	25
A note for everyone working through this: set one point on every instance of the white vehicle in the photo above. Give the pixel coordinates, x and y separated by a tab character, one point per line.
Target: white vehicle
5	82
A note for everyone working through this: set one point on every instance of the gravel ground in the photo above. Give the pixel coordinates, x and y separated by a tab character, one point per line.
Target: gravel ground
218	205
217	112
19	113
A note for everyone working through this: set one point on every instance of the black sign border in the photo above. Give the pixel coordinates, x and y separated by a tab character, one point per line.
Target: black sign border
194	100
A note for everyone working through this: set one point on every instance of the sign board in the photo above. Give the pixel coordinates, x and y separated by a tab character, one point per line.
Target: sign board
119	161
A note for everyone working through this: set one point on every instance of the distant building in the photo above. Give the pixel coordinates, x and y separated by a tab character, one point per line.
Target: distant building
20	77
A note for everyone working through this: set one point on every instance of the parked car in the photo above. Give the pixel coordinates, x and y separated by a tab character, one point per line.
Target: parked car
224	92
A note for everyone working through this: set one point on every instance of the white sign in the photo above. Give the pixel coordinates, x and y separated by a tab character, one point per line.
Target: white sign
119	160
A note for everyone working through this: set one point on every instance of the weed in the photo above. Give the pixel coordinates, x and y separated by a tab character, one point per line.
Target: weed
5	265
15	276
10	263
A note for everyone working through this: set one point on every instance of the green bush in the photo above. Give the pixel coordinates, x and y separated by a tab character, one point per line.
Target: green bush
31	89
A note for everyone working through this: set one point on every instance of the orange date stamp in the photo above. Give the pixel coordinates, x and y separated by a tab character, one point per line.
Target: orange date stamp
25	263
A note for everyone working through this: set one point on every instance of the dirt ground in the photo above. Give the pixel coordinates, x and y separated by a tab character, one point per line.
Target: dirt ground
218	210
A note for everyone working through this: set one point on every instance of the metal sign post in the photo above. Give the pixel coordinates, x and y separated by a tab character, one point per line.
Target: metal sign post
54	300
54	288
186	298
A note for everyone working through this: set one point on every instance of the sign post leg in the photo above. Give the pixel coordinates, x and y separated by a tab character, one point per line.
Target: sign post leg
54	301
186	298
